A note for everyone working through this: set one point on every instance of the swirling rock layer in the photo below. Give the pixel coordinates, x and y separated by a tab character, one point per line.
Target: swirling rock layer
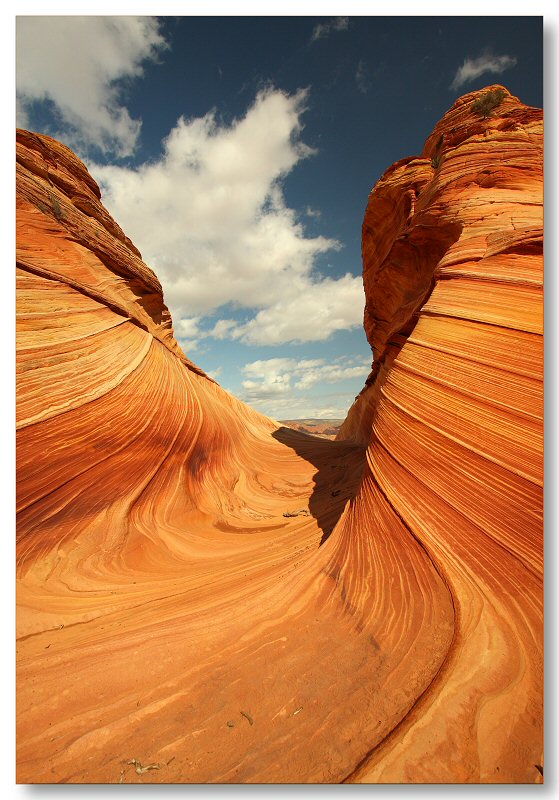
452	420
206	593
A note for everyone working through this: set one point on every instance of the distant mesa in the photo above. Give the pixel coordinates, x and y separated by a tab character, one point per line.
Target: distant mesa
323	428
206	595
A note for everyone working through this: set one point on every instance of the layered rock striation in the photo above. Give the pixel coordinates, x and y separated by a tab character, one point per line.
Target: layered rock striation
205	595
452	417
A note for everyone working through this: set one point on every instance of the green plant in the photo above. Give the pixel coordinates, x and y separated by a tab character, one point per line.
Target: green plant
437	156
436	160
487	101
57	208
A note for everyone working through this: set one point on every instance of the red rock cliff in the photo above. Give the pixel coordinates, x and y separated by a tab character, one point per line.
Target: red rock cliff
452	416
218	598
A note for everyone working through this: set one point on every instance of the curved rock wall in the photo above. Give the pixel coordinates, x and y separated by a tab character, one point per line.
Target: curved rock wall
452	417
206	593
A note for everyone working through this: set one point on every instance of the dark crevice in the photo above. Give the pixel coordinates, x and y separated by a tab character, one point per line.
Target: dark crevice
339	469
444	663
401	285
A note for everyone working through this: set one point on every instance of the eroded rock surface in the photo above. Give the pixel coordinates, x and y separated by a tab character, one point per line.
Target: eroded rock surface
452	418
205	595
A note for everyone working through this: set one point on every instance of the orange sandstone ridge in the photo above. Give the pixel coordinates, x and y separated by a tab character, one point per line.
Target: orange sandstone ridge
205	595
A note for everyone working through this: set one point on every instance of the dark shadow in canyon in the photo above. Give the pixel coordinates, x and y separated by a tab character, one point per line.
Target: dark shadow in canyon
339	468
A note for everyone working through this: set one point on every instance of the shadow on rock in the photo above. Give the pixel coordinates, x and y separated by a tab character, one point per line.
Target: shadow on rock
339	468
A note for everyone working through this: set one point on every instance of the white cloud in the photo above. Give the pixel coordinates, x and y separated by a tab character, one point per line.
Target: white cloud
289	406
473	68
331	373
188	333
332	406
223	329
210	217
323	29
78	63
308	311
267	378
22	116
188	328
277	382
314	213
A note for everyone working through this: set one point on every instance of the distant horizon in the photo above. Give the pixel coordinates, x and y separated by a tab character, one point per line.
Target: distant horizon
334	422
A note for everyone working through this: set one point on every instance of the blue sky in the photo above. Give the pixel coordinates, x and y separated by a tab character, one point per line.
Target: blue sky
238	154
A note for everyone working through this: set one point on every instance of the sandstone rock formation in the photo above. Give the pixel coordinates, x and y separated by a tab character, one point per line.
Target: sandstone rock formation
452	418
173	624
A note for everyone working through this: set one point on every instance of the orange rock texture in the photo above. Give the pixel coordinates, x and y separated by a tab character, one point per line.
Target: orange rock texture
205	595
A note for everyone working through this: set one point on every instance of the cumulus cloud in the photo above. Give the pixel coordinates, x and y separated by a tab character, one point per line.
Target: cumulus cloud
323	29
270	377
331	373
78	64
307	311
278	386
473	68
210	217
329	406
188	332
22	116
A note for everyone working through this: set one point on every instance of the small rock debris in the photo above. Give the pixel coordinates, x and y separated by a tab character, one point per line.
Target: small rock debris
140	769
248	717
302	512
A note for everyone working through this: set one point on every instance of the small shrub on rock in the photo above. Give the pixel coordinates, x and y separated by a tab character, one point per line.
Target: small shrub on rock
436	161
57	208
486	102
